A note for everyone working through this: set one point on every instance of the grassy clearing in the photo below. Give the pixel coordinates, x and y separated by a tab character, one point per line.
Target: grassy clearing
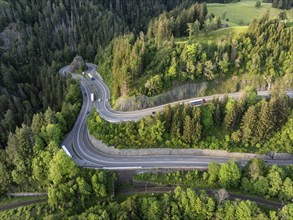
214	36
243	12
222	33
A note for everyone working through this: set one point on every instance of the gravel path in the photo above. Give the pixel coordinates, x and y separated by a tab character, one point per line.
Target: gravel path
22	203
232	196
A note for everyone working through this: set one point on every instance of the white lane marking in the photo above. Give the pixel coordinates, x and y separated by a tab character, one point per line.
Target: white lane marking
121	168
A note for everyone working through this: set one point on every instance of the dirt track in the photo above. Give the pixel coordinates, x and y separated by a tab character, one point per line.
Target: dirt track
22	203
232	196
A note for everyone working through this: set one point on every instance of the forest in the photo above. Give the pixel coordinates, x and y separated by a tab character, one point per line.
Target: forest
34	162
250	124
134	41
256	178
152	63
182	204
37	38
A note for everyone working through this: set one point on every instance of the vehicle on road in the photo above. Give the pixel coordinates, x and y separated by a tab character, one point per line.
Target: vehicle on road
92	97
66	151
197	102
99	100
90	76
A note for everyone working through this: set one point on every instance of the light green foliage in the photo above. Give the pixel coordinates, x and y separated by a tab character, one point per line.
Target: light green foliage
151	131
41	169
265	122
229	175
187	130
231	114
255	168
287	190
5	177
207	117
283	139
70	185
246	210
99	181
213	171
19	154
84	189
214	36
154	85
261	186
53	133
62	168
193	29
275	177
241	210
248	124
287	212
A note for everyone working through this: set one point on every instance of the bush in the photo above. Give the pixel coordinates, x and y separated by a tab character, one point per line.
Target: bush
257	4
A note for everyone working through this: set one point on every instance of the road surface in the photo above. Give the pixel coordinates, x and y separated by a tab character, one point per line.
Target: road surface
84	154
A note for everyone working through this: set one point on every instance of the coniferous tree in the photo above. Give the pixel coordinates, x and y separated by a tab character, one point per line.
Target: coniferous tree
265	123
248	124
176	124
230	114
187	129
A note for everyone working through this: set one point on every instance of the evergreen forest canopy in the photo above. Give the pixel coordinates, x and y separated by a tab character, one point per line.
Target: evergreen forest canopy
38	106
256	178
37	38
250	124
153	62
81	194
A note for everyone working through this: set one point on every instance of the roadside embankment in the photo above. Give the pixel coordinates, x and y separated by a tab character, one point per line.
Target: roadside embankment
100	146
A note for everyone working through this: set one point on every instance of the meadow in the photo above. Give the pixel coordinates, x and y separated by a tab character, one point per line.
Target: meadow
243	12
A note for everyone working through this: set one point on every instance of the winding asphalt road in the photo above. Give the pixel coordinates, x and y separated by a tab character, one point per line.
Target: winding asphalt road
84	154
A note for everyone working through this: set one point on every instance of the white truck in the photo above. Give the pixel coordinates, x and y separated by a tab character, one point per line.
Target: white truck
92	97
66	151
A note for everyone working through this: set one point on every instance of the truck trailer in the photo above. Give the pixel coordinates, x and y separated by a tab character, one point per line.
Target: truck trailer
197	102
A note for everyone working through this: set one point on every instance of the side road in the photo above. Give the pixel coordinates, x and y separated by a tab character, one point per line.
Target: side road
232	196
22	203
